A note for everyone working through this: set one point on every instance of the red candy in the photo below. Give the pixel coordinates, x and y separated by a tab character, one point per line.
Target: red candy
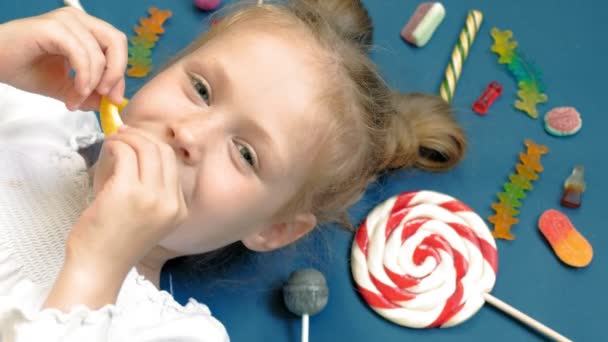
485	100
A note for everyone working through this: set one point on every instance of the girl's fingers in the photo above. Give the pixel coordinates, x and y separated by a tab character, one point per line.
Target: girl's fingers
58	40
116	94
167	156
96	51
170	171
91	103
148	156
89	43
114	45
125	162
172	182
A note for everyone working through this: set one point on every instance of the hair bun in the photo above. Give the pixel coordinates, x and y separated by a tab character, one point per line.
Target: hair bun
349	18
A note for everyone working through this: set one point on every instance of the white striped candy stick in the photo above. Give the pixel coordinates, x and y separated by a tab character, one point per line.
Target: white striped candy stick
460	54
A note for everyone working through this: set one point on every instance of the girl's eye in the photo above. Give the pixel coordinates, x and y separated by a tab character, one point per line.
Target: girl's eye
247	155
202	89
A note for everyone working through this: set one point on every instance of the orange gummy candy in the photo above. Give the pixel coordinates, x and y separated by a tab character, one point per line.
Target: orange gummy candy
159	16
567	243
534	148
502	226
139	70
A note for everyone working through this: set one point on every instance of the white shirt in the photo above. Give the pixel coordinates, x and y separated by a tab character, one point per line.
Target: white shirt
44	187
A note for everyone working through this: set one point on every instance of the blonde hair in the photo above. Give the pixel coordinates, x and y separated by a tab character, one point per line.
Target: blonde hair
372	128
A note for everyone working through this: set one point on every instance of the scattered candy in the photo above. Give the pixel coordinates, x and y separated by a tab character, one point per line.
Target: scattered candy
574	186
140	47
567	243
423	23
485	100
207	5
305	294
460	54
509	200
109	115
562	121
424	259
528	77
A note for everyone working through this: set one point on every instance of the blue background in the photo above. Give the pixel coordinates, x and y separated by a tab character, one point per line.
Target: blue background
568	42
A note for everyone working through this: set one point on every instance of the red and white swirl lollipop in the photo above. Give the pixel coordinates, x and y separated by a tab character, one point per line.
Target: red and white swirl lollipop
424	259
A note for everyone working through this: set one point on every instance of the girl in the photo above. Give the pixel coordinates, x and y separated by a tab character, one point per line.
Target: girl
271	123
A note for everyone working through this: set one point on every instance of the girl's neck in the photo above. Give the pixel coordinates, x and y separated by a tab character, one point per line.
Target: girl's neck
151	273
151	265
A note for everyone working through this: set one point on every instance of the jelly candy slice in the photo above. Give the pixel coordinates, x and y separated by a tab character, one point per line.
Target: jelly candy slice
567	243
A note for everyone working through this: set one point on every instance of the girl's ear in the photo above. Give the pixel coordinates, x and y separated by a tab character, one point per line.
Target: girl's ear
281	234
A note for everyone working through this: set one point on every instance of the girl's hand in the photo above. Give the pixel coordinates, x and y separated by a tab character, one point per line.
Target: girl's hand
37	54
138	205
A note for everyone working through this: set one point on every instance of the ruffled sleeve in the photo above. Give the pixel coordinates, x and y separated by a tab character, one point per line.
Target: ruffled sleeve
141	314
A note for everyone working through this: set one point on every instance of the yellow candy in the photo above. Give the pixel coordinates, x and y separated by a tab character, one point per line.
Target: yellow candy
109	115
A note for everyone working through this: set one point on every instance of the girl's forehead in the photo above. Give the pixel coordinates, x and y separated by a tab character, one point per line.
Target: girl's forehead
270	62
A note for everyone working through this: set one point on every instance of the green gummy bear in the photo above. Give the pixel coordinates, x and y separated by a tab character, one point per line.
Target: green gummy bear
503	46
504	210
142	41
529	96
138	51
528	77
514	190
140	61
510	199
523	182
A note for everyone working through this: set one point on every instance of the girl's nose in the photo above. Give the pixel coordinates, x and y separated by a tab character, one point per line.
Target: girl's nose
182	138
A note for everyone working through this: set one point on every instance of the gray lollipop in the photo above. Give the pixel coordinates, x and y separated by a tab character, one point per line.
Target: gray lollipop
305	294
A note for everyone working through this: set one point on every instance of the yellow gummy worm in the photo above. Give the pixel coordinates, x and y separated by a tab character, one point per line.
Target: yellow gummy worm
109	115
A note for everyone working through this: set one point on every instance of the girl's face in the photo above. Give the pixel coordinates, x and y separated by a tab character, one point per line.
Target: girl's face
241	115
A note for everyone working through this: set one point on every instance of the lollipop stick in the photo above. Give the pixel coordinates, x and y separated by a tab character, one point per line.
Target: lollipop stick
73	3
304	328
531	322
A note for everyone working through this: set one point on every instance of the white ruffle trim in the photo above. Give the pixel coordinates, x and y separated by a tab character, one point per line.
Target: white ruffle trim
20	296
